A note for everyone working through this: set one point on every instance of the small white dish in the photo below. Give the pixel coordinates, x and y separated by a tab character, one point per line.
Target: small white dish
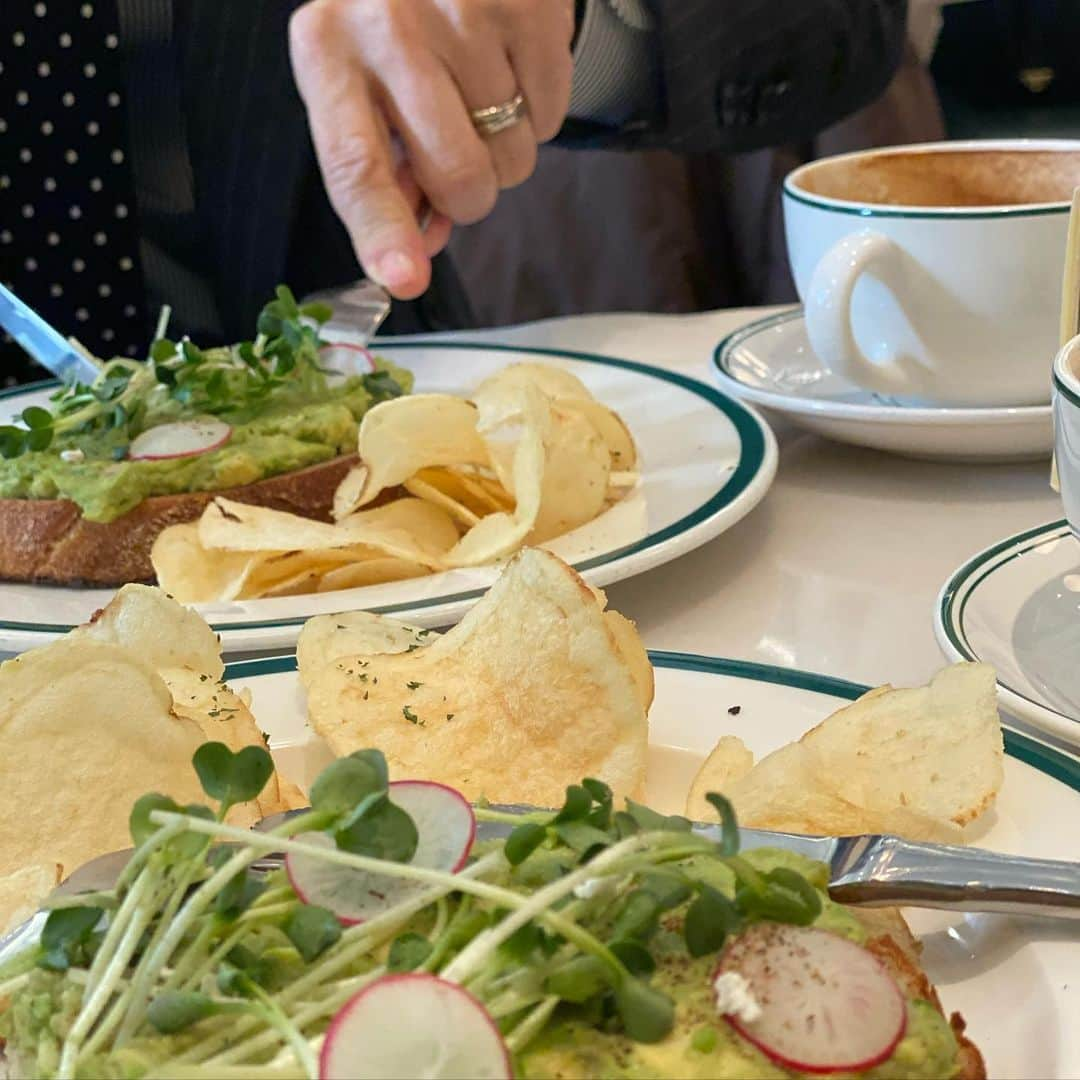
1016	605
706	460
983	965
770	363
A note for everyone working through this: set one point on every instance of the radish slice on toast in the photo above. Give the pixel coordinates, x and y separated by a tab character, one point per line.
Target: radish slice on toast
347	357
413	1025
181	438
446	829
822	1003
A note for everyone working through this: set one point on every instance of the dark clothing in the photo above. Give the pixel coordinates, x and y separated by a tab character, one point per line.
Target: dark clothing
235	201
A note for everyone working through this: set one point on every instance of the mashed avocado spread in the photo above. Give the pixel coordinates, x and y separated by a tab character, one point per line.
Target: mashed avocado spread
285	410
589	938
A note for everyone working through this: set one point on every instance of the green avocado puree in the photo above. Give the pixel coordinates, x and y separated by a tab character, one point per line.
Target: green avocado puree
292	431
702	1046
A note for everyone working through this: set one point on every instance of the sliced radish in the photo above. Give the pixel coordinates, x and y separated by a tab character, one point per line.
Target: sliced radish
413	1025
182	438
446	828
826	1005
347	356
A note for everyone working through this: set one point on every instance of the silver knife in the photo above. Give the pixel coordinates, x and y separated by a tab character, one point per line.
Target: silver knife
47	346
868	871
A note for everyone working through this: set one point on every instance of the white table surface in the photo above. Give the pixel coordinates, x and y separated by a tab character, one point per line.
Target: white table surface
837	570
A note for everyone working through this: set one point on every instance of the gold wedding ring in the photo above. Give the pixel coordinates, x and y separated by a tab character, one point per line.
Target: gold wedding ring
496	118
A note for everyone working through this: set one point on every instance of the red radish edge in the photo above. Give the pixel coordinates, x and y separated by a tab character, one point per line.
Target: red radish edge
226	436
342	1015
347	920
460	798
820	1070
352	347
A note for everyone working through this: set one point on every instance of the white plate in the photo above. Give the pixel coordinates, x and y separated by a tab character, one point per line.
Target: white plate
1016	605
770	362
1015	981
706	460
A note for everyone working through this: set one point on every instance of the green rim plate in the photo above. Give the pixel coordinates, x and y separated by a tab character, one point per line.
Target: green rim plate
748	427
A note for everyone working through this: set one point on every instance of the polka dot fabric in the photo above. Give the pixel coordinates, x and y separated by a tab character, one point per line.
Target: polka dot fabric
68	222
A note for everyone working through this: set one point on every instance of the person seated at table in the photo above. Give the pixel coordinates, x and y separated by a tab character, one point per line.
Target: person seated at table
166	152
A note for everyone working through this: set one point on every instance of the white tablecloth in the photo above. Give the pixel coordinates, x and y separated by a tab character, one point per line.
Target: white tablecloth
838	569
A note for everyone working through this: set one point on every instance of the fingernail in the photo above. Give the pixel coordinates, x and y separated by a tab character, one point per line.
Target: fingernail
395	268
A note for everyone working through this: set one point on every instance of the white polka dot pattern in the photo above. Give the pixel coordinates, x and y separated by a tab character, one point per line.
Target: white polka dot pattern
70	237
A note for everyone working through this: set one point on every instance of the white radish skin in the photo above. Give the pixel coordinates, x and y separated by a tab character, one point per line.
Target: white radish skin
446	828
413	1027
346	357
826	1004
182	438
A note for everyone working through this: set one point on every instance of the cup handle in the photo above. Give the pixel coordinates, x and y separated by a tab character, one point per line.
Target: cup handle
828	312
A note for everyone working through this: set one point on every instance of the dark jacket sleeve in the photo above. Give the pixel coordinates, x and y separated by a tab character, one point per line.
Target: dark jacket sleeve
740	75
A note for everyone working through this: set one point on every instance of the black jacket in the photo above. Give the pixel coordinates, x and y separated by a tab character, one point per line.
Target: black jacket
737	75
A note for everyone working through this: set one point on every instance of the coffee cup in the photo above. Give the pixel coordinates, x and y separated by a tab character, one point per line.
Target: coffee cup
933	272
1066	394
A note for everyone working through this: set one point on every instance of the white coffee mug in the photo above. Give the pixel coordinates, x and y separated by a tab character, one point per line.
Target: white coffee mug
1067	429
948	305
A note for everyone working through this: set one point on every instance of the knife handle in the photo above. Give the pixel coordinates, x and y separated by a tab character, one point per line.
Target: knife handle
888	871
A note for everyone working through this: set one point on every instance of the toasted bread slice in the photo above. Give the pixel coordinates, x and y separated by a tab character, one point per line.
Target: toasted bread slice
894	945
49	541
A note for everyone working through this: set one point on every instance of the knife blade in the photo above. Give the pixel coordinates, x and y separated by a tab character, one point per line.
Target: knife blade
46	345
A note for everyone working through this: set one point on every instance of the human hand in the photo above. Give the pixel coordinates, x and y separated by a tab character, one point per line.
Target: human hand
389	86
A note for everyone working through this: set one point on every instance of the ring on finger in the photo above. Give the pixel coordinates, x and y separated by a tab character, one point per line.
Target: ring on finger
495	118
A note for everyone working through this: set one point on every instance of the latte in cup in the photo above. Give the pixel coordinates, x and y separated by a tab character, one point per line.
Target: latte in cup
933	272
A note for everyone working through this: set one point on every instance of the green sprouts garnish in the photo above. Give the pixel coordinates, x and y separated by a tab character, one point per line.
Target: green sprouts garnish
179	379
571	914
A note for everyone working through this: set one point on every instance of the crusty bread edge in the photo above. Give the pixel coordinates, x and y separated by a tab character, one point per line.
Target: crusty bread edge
892	942
48	541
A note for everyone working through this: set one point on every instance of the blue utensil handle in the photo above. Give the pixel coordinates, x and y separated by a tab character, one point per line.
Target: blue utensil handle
46	345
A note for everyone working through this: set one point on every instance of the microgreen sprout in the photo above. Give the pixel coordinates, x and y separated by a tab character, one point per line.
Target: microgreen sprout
569	914
178	379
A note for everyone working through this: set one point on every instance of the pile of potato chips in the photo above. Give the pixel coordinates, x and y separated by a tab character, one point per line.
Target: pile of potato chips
91	722
531	456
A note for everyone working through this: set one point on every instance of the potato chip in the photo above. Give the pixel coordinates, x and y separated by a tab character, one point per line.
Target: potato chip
117	708
729	760
192	573
499	535
22	891
920	763
399	438
444	489
162	632
575	485
224	716
555	382
86	727
377	571
570	394
350	492
529	692
633	651
326	638
611	429
406	528
936	749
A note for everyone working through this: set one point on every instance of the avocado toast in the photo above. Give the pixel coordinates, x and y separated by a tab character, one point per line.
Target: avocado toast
591	941
87	484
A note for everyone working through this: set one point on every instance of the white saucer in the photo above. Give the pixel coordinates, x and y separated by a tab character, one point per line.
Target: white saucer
770	363
1016	605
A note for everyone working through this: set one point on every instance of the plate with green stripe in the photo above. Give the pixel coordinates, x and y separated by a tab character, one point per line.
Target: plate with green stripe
706	461
1014	981
1016	606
